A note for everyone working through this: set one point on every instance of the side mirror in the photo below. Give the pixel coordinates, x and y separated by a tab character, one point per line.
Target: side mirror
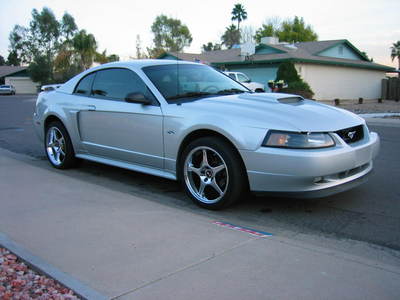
137	98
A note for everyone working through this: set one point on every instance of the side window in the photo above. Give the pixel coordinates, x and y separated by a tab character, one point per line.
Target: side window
232	75
85	85
242	78
117	84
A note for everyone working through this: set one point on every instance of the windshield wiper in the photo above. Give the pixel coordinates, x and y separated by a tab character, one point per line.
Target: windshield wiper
189	95
230	91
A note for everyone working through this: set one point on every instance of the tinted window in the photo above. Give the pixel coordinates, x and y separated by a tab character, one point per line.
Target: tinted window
177	81
232	75
85	85
118	84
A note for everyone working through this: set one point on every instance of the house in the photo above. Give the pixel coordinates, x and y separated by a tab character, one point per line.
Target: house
333	69
19	78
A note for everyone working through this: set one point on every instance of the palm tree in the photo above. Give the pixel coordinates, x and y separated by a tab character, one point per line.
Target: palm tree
231	36
239	13
85	46
396	52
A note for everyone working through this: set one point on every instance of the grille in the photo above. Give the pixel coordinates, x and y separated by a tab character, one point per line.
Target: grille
352	134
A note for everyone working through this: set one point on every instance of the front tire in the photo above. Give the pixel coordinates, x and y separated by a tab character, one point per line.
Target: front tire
212	173
58	146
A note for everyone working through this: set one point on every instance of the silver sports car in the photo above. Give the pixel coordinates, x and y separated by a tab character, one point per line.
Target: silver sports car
186	121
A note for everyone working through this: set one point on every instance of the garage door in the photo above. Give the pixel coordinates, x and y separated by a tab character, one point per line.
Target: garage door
23	85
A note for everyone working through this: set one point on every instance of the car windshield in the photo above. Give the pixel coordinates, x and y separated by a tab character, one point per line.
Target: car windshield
187	82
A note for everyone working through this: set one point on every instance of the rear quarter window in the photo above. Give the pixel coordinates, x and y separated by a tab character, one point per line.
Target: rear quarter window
84	86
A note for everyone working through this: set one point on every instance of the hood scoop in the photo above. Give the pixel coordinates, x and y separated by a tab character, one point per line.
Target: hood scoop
291	100
273	98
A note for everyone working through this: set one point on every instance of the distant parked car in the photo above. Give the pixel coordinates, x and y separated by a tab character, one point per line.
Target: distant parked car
186	121
50	87
7	90
246	81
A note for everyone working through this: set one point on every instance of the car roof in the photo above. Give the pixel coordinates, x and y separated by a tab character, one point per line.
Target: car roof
138	64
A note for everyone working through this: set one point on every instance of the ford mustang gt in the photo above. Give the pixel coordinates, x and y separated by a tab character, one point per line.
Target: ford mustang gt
189	122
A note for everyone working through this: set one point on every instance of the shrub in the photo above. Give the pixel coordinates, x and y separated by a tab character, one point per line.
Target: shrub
288	73
299	88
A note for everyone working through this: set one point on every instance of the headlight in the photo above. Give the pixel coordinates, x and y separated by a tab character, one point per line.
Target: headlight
283	139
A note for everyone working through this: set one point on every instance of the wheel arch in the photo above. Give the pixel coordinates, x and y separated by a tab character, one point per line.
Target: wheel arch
199	133
51	118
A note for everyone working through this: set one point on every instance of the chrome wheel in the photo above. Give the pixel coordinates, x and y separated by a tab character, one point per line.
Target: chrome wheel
206	175
55	146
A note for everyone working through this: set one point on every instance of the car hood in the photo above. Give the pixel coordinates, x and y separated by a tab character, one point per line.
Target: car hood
274	111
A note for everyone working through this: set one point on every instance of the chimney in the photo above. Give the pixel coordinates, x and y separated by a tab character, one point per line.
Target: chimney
247	49
270	40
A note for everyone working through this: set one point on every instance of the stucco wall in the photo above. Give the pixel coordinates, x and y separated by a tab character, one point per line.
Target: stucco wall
330	82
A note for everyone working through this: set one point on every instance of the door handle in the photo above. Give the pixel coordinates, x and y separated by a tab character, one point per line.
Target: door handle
91	108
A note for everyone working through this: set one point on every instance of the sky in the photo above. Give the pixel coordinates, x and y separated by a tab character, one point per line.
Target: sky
370	25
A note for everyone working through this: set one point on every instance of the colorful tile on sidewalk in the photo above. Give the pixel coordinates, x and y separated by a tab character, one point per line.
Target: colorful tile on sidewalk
243	229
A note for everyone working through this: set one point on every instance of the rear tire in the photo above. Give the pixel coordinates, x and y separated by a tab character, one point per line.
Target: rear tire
58	146
211	173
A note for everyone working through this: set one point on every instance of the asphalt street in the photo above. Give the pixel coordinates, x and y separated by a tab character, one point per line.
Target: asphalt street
369	213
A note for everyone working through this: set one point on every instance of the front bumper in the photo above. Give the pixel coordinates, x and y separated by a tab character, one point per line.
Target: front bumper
311	173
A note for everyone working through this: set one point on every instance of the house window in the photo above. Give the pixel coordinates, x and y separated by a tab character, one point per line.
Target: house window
340	50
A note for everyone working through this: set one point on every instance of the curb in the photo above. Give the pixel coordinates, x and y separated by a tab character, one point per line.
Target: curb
379	115
43	267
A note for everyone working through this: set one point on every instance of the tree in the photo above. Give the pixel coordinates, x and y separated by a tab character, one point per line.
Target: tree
170	34
40	69
20	51
210	47
154	52
231	36
296	31
239	14
44	34
85	46
40	42
265	30
13	60
66	64
112	57
68	26
366	55
395	53
103	58
287	31
2	61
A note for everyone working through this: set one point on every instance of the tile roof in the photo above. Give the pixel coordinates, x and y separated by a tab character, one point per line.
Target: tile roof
302	52
9	70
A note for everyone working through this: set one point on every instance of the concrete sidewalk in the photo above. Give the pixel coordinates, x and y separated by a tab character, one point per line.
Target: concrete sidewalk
126	246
